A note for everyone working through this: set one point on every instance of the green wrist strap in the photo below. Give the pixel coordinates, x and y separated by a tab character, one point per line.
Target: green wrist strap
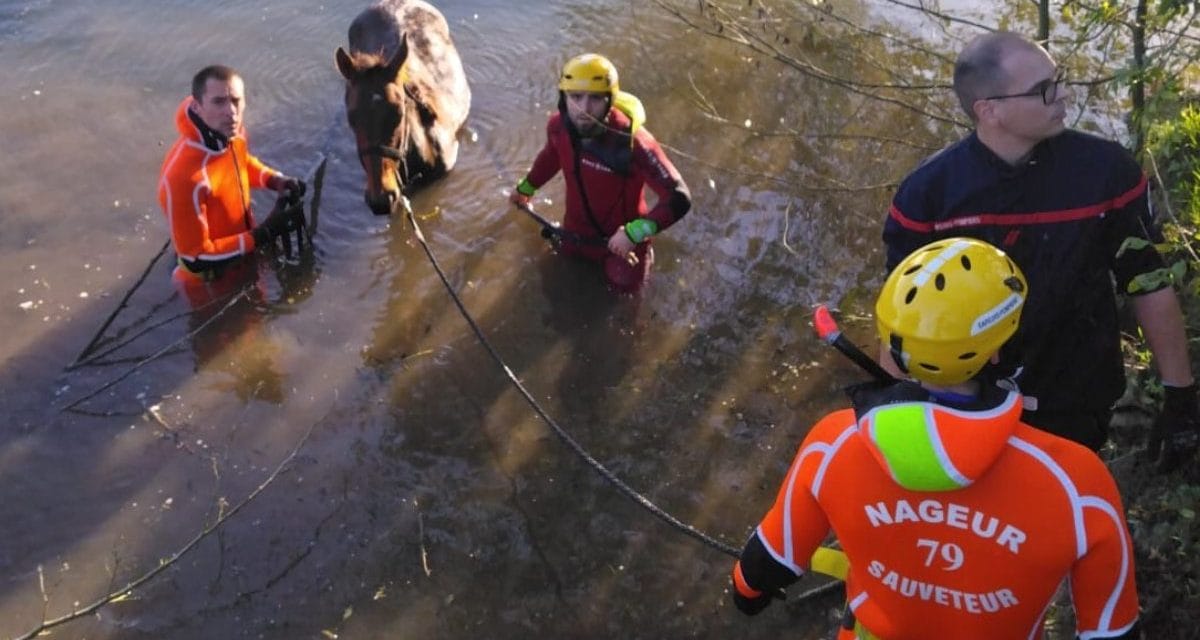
526	189
640	229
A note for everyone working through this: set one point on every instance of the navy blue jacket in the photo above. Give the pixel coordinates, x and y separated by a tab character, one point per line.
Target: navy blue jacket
1075	219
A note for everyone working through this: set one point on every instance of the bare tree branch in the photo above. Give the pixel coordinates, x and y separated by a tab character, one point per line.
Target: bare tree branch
170	561
939	15
157	354
732	31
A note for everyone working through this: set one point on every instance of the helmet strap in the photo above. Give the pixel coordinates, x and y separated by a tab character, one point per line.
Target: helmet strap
896	349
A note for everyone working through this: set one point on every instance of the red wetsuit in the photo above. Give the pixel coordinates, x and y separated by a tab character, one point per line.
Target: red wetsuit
613	173
960	523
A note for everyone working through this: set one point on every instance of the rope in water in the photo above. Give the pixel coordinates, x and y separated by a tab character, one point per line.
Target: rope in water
558	430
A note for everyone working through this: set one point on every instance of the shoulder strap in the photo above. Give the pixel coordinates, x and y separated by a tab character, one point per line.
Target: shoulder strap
577	151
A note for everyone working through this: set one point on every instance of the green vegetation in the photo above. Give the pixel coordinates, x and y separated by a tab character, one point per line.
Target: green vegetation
1162	508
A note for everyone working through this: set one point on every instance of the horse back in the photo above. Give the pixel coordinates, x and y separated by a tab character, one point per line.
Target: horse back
433	60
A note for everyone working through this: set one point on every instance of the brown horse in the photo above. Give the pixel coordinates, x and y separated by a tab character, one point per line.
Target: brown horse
406	97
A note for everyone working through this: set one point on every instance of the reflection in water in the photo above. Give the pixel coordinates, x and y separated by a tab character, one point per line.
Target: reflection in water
596	324
221	326
227	334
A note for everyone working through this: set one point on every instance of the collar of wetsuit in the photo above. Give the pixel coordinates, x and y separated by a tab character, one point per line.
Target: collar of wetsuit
213	139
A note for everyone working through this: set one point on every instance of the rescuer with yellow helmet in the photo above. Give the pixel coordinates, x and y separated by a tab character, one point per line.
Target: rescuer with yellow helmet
951	307
954	515
607	159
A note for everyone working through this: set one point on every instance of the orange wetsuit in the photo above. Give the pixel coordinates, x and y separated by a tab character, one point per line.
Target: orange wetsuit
960	523
204	191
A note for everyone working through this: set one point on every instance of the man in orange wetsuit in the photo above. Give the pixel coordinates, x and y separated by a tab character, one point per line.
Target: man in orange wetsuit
204	188
607	159
958	519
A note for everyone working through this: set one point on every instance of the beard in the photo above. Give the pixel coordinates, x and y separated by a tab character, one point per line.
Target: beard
588	127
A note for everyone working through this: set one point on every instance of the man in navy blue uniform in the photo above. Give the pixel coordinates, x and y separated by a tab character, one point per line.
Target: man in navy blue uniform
1071	209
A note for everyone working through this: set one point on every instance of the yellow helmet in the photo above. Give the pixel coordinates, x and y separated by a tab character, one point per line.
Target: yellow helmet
589	72
947	307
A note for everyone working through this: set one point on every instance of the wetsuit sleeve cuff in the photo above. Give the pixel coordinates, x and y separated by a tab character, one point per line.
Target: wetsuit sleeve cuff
525	188
640	229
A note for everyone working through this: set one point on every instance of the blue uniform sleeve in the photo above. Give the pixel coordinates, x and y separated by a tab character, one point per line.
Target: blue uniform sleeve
1130	231
907	226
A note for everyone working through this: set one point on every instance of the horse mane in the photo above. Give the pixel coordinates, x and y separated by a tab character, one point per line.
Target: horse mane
364	61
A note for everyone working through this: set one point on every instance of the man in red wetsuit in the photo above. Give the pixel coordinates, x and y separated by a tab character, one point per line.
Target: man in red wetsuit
607	158
958	519
204	189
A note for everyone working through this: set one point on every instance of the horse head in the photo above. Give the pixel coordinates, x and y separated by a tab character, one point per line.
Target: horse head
376	108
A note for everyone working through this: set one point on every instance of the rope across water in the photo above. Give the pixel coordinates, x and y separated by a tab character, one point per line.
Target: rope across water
558	430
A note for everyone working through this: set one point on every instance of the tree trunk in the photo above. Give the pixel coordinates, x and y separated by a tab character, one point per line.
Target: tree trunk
1137	88
1043	32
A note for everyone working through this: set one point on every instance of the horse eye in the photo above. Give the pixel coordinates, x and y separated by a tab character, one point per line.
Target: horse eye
376	98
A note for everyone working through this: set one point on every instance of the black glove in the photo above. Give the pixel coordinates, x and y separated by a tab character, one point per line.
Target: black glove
1176	433
750	606
294	188
286	216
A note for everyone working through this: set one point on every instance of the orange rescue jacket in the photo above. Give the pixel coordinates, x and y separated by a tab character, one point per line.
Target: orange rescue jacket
205	194
958	522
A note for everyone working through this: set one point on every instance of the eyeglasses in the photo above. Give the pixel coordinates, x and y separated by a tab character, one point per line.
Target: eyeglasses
1047	89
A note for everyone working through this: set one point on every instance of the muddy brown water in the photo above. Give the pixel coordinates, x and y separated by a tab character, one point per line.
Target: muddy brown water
429	500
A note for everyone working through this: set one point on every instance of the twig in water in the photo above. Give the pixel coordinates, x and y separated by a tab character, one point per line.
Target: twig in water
421	539
121	305
786	213
156	354
92	359
181	442
45	598
162	565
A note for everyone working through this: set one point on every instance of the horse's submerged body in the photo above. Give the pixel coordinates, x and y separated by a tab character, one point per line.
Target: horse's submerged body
406	97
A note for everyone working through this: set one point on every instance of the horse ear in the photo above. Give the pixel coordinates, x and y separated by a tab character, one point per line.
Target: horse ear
344	64
398	58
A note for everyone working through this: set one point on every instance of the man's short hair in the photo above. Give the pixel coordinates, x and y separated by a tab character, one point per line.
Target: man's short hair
217	71
978	72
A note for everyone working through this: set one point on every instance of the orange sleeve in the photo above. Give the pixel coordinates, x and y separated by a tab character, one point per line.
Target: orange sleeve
796	525
258	172
1102	581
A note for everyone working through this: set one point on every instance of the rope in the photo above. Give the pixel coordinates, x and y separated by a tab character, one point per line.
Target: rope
559	431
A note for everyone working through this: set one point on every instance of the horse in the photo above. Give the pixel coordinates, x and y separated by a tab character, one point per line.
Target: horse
406	97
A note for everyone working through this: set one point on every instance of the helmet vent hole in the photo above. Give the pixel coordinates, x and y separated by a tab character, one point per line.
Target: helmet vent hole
908	297
967	356
913	269
930	367
940	282
966	262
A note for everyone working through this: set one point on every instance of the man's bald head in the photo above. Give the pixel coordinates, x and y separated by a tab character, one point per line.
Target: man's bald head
979	71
